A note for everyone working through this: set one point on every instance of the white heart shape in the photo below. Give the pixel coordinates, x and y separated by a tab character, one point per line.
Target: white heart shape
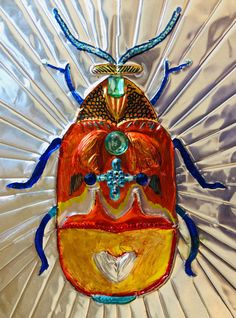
115	268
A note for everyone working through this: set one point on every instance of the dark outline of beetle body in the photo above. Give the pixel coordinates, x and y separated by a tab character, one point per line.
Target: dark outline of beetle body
56	143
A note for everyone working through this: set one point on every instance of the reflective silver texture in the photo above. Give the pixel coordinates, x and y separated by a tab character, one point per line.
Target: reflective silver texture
197	106
144	204
115	268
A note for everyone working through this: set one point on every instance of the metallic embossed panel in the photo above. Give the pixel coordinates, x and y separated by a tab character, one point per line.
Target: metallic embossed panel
198	106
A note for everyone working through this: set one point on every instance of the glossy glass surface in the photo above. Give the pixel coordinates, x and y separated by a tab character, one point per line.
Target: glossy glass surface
116	143
116	86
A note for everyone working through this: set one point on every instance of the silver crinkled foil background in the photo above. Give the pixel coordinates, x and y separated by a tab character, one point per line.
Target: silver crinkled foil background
198	106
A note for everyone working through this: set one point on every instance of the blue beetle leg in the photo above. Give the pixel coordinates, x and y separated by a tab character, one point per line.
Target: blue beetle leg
38	241
70	85
167	72
163	83
60	69
68	79
193	169
38	171
180	67
194	240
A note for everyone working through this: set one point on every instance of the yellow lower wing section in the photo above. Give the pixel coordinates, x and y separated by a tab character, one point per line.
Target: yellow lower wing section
153	248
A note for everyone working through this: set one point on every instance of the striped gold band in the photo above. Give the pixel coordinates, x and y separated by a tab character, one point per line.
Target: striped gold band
112	69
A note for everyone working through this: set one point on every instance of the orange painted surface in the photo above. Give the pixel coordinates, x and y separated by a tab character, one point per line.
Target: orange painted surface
149	151
83	151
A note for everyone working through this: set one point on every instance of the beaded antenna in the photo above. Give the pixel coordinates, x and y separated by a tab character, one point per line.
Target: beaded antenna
117	224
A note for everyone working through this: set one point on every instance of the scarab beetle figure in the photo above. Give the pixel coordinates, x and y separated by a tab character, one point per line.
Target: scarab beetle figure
117	225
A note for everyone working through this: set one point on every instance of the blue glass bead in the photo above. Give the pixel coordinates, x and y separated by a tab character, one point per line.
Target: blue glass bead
142	179
90	179
115	193
116	165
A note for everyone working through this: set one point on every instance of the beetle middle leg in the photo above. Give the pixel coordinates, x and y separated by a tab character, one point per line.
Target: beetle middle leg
38	171
192	168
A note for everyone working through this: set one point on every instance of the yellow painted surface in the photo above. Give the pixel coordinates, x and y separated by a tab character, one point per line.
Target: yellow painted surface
152	247
61	206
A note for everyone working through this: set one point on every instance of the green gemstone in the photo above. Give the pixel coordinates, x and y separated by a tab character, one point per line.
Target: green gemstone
116	143
116	86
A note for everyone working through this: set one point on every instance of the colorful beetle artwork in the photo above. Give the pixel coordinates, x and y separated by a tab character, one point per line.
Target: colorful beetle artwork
117	225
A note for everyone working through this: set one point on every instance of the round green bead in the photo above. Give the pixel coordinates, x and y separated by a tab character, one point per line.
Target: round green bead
116	143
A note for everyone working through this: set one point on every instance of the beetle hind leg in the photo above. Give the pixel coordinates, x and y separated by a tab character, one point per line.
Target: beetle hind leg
193	232
38	241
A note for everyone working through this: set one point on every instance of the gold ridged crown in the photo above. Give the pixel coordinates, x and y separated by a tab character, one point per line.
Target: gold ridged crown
112	69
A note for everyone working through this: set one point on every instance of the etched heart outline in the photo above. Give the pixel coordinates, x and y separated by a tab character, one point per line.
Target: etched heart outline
115	268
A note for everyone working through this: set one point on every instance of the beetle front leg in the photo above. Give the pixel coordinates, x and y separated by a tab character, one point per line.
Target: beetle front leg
38	171
167	72
192	168
68	79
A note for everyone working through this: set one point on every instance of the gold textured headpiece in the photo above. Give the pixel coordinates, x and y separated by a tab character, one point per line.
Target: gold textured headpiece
112	69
